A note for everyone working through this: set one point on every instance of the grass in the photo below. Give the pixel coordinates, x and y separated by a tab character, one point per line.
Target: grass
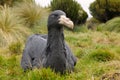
97	53
15	47
112	25
11	28
29	12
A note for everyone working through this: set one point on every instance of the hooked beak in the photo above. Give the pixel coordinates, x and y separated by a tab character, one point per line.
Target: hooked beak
66	22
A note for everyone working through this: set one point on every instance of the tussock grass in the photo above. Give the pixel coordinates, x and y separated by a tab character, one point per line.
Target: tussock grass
112	25
29	12
11	28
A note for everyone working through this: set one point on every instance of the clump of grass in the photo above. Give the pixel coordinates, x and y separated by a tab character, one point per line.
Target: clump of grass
101	55
15	47
111	25
43	74
29	12
11	28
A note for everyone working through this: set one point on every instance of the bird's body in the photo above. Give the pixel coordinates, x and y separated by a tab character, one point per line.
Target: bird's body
49	50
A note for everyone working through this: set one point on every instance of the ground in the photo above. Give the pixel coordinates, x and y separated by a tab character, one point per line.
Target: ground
98	57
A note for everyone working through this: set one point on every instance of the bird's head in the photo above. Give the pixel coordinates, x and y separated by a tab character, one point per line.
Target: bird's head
58	18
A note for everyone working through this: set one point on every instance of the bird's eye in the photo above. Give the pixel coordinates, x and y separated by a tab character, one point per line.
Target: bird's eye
54	15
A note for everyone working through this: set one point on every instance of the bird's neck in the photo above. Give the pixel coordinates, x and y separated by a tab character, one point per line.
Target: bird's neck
55	51
56	40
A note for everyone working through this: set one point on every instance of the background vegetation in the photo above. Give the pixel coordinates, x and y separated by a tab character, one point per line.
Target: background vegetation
95	44
72	9
11	27
105	10
13	2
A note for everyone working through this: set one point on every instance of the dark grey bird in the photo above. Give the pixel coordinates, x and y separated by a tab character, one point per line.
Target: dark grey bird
50	50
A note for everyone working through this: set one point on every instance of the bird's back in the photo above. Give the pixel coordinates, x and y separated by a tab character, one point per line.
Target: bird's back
33	52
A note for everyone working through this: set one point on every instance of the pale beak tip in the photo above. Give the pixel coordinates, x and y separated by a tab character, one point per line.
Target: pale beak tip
66	21
72	26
